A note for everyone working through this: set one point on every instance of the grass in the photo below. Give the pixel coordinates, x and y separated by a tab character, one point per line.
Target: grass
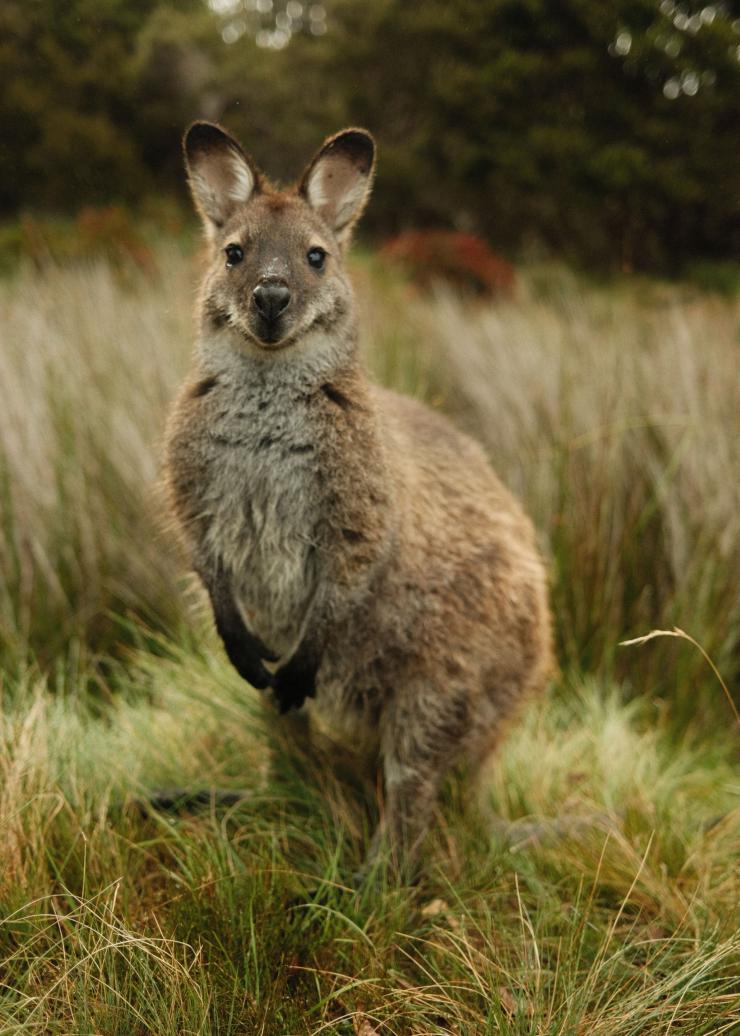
613	413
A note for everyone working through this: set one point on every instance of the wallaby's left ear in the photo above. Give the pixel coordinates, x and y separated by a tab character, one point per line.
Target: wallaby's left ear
221	175
337	182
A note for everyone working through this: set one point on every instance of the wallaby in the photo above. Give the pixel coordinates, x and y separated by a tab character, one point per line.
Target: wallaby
364	563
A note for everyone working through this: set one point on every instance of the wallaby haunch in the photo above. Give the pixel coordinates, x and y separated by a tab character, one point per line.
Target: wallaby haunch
363	561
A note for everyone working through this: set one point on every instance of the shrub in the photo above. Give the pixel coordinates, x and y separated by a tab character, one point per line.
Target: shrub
464	260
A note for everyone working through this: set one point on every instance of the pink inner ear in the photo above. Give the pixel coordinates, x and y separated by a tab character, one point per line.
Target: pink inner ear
228	175
336	188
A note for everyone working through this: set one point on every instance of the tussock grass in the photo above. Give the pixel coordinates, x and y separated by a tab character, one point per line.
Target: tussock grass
240	920
613	413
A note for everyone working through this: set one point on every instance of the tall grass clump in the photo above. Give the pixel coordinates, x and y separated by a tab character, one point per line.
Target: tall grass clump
88	362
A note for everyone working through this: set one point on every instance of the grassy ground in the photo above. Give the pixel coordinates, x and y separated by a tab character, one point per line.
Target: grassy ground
613	413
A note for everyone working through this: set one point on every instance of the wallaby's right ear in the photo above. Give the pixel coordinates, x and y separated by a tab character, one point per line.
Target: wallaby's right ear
220	174
337	182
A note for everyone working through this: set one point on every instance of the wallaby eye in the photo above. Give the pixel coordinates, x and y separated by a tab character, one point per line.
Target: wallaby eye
316	257
234	255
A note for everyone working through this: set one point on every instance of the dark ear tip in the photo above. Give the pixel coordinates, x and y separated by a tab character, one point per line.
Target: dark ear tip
203	136
358	144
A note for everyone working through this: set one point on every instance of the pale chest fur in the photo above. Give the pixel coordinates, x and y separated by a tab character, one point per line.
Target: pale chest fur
258	502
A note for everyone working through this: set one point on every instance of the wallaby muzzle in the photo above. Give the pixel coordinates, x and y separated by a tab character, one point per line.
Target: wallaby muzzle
270	299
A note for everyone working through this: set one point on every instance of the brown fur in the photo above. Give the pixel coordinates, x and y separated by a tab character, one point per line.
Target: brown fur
346	534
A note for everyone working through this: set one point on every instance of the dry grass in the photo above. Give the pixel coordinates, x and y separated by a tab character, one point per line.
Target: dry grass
613	413
88	364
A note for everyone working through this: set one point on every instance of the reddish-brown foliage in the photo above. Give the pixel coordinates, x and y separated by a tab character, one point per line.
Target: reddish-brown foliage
111	232
463	259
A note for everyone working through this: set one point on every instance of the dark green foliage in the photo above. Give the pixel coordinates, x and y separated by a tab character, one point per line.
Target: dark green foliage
516	119
68	95
605	132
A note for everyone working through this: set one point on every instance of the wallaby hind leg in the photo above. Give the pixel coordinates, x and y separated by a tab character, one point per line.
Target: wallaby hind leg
410	797
423	737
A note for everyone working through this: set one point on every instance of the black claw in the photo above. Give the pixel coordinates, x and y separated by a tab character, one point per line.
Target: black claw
245	659
295	682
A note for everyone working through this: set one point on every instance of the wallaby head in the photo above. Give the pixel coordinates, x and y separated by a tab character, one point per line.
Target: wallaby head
276	265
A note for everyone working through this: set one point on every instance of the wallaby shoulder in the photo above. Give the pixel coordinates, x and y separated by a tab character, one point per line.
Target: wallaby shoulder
447	479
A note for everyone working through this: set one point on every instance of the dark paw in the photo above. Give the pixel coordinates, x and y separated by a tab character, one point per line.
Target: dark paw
247	660
292	685
245	651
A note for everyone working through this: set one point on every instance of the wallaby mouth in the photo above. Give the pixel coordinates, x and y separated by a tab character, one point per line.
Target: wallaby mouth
268	332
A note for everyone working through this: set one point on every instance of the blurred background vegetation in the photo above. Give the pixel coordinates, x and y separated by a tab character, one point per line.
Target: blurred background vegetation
605	133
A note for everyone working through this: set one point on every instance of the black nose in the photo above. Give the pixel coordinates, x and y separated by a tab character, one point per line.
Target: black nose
271	298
